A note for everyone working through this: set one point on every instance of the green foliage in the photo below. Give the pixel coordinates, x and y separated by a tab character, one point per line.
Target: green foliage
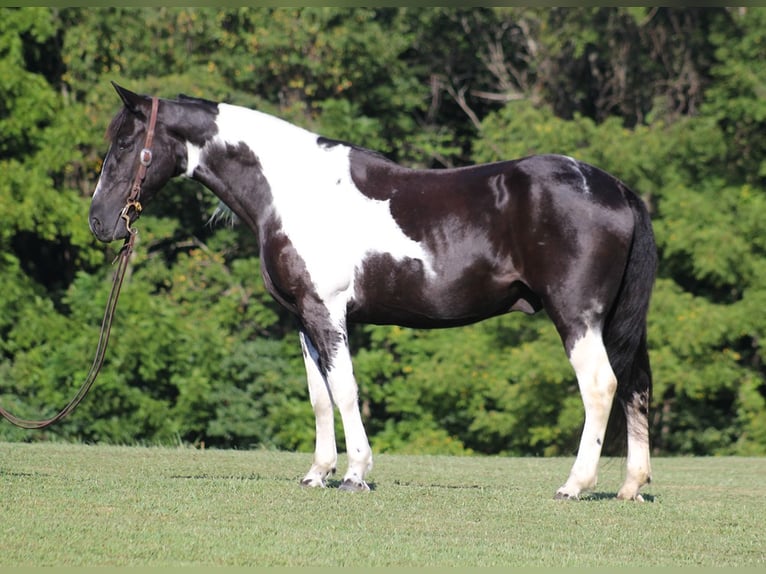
494	386
737	98
259	398
27	101
666	99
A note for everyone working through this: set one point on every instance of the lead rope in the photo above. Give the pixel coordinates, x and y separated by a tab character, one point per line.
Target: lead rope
145	159
103	340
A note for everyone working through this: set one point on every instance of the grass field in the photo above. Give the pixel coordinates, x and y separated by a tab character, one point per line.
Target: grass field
80	505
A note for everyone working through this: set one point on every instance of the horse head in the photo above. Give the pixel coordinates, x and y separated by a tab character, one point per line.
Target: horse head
115	204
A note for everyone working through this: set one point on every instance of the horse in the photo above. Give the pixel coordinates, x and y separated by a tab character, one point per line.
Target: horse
349	236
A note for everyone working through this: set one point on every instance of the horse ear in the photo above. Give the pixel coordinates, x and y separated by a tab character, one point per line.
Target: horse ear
131	100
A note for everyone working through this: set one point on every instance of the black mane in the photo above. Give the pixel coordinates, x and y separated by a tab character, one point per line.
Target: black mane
202	101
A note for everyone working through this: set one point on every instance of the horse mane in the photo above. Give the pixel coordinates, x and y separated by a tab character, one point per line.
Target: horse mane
192	99
330	142
119	118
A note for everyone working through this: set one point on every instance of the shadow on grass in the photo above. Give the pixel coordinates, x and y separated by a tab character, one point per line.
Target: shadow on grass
204	476
15	474
433	485
335	483
599	496
332	483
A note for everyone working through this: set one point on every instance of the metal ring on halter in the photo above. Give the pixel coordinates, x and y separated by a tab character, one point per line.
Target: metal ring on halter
145	157
126	216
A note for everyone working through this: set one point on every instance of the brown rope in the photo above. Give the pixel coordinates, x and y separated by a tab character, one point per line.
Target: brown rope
106	327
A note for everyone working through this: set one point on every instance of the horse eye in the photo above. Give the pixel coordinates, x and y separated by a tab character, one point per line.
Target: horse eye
123	144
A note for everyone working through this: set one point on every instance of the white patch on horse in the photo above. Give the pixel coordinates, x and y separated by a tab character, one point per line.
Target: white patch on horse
345	394
585	187
598	384
639	466
101	175
192	158
328	220
98	187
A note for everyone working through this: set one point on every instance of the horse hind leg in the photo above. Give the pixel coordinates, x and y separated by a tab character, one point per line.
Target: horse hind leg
597	383
635	403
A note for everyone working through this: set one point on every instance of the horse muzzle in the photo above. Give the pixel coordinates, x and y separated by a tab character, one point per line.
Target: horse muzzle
108	229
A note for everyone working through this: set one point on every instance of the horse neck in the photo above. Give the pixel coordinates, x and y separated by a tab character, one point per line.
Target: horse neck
231	162
251	156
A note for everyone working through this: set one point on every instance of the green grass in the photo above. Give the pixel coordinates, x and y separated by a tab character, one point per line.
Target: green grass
80	505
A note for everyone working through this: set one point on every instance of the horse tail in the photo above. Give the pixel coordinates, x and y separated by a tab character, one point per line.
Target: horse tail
625	327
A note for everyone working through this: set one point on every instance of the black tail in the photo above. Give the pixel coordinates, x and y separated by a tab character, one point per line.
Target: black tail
625	328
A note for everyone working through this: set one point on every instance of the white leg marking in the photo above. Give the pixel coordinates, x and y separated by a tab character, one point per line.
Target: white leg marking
325	453
597	384
639	466
345	393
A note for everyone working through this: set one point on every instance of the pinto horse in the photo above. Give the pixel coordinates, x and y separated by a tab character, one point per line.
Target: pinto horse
348	236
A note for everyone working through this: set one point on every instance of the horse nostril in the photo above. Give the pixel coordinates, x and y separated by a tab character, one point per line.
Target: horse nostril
95	225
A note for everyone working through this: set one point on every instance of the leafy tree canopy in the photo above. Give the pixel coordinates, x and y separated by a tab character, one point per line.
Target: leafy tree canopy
667	99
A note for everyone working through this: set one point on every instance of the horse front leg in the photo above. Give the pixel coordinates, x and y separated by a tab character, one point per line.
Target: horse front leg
325	453
345	392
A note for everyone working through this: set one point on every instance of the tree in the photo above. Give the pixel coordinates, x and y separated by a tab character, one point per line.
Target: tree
667	99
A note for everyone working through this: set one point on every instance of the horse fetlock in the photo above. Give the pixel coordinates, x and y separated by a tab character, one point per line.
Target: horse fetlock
359	461
315	477
629	490
575	485
639	474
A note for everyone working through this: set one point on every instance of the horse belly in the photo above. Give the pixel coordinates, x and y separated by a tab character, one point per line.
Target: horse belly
389	292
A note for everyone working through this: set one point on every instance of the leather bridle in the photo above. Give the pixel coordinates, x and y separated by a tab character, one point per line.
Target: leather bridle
144	160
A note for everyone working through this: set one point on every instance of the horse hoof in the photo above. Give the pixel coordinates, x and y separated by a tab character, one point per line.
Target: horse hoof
561	495
349	485
309	482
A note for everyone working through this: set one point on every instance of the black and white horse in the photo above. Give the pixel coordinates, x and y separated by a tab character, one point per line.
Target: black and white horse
347	236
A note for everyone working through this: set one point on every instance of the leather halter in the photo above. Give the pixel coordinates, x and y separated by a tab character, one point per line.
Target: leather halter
144	161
